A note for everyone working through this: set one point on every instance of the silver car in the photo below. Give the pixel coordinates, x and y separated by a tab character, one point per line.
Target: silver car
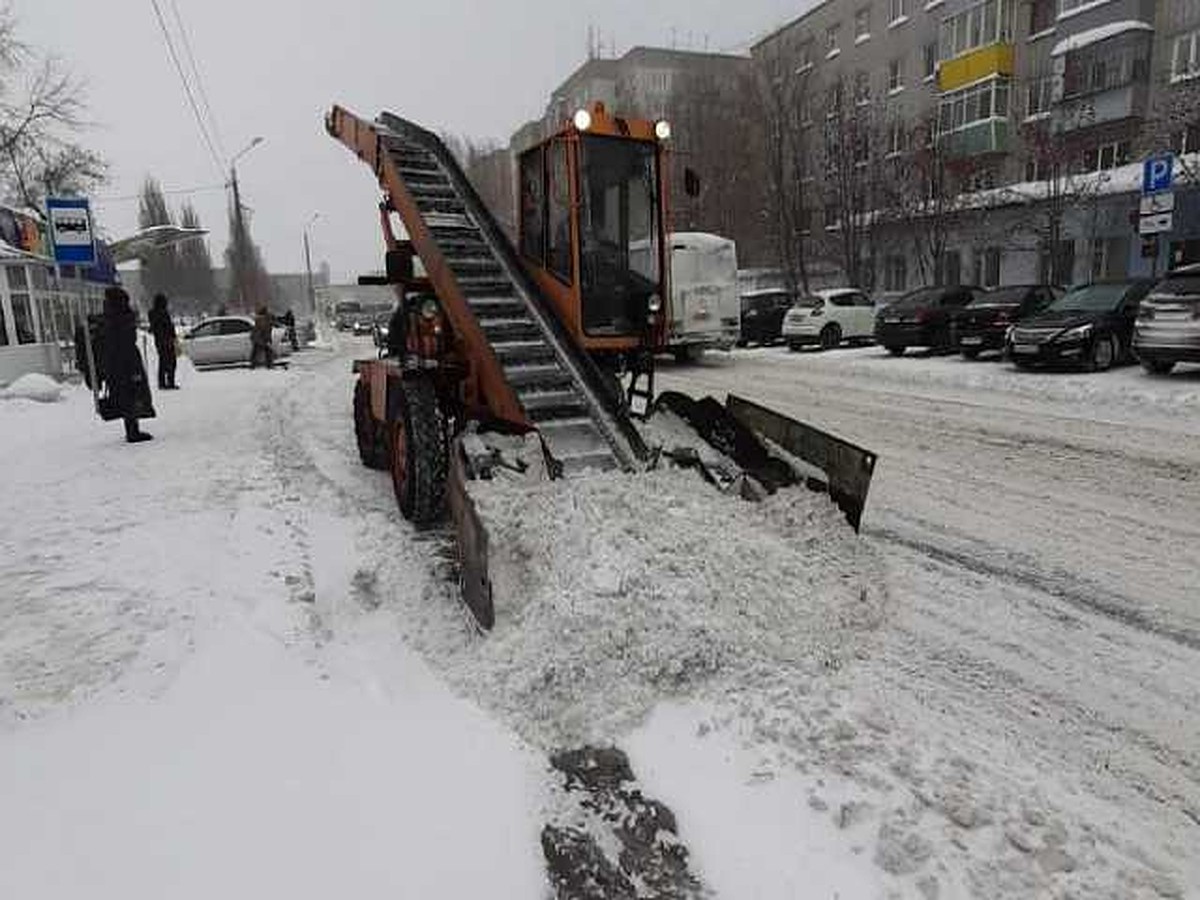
1168	325
225	341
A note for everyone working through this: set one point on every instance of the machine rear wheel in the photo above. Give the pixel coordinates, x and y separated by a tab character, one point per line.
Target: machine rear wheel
419	456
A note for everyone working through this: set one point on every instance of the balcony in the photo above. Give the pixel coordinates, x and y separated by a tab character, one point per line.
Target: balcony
994	59
977	139
1100	107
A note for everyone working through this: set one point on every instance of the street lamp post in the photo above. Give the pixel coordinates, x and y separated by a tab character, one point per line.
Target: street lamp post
312	294
240	257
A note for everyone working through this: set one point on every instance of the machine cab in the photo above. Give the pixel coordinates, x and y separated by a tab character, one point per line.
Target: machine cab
593	227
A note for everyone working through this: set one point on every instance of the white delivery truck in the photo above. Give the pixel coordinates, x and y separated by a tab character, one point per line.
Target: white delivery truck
705	308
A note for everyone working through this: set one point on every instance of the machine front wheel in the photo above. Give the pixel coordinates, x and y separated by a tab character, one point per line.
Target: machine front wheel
419	455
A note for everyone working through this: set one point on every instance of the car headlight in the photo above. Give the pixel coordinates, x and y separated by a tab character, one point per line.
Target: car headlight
1075	334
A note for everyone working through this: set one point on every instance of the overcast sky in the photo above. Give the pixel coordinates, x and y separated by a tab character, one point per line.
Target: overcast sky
272	68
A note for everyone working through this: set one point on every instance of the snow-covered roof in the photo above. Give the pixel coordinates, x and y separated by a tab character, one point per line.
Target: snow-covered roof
1100	33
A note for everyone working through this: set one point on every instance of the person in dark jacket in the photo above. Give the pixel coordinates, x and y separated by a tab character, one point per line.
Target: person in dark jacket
163	330
289	322
124	373
260	339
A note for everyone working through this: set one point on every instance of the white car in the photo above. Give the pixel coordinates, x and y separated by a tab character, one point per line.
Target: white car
828	317
225	341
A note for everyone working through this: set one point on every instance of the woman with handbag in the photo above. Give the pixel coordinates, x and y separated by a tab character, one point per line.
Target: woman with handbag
127	389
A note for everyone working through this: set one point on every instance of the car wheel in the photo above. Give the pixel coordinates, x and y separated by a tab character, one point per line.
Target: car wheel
793	347
895	351
970	354
831	337
1158	366
1104	354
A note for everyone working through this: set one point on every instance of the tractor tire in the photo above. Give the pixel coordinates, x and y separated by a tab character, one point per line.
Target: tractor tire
419	455
370	434
831	337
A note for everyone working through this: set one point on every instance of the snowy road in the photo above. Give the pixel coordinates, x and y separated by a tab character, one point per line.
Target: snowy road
1041	532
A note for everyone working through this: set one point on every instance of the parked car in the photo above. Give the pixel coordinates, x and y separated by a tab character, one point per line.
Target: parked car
1167	331
1089	327
923	318
829	317
762	315
984	322
225	341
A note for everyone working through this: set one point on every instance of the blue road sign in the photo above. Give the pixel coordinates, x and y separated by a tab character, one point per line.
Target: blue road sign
70	228
1158	174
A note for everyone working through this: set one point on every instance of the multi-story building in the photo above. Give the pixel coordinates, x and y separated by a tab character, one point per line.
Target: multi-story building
1042	110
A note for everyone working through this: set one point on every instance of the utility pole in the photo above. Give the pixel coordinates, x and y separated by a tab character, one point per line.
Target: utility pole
241	239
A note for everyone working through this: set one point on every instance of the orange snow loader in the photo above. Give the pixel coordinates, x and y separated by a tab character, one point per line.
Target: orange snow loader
555	336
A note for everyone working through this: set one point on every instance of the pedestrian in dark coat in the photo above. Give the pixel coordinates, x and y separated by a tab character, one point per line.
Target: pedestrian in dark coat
289	322
260	339
163	330
128	391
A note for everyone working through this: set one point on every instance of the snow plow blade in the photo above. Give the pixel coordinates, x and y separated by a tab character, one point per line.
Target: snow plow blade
471	541
847	468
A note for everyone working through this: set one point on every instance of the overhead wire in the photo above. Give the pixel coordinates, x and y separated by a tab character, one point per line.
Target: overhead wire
187	48
187	88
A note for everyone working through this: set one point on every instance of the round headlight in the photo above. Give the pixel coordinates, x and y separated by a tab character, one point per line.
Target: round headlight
429	309
655	303
583	120
662	130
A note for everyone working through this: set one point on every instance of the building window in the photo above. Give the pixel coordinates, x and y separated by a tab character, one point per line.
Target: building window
805	104
833	100
804	58
3	329
1039	96
895	274
983	24
862	88
897	139
896	75
962	109
1041	16
930	60
987	267
805	222
831	40
897	11
1187	140
862	24
1105	156
1185	56
949	273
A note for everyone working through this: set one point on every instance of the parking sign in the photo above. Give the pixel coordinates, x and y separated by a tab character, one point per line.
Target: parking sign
1158	173
70	228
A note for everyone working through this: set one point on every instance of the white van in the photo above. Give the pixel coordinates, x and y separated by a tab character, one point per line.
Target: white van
705	309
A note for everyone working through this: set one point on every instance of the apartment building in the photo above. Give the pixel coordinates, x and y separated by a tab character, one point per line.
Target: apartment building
1024	99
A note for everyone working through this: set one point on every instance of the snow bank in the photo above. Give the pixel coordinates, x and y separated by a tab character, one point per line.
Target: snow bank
34	386
617	591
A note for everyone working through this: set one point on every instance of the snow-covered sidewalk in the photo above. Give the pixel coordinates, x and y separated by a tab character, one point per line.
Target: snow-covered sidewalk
195	701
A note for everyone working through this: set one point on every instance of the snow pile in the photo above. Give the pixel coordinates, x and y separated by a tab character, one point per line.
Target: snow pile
33	386
617	591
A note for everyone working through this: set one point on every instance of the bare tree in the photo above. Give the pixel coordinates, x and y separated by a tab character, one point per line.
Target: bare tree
854	179
39	123
786	109
1173	124
197	283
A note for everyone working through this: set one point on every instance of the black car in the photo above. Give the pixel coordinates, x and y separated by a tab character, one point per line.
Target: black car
1089	327
985	321
762	315
925	317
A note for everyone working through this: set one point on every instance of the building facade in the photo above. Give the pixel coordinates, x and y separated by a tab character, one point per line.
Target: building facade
1038	111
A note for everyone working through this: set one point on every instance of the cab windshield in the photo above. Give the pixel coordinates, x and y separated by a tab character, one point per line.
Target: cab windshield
619	233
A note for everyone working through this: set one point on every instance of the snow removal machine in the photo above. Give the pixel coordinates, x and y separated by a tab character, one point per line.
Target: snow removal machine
553	339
